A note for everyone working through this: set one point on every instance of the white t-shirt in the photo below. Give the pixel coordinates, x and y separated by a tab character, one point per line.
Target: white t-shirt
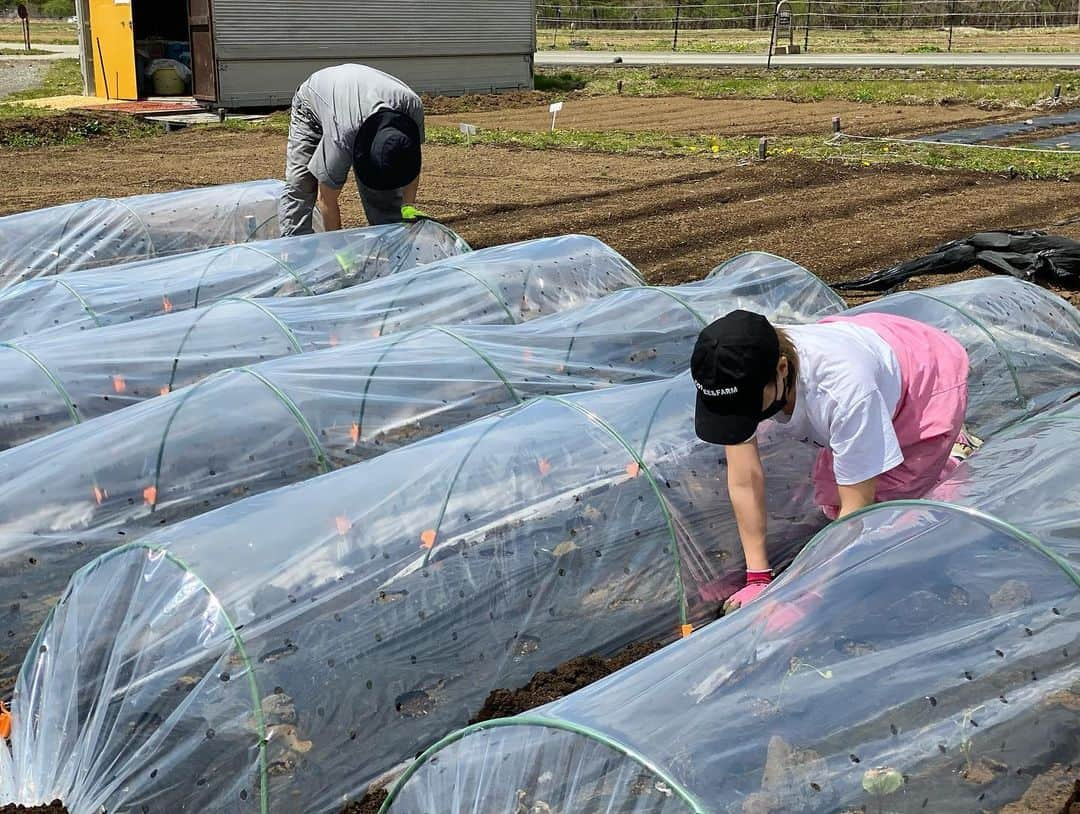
847	391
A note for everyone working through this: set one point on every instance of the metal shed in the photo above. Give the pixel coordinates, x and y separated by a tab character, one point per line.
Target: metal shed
254	53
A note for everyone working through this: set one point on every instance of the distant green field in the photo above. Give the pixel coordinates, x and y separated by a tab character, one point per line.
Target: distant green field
42	32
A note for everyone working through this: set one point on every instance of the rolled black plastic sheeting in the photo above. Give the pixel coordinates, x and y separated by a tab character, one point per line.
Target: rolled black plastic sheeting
1028	255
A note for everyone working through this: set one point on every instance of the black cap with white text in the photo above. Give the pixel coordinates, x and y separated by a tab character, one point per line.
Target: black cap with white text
734	359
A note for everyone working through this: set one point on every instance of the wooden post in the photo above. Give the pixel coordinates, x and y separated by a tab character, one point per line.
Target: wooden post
950	23
806	30
678	12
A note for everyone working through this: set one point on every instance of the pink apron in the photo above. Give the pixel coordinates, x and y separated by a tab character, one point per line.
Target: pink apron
929	414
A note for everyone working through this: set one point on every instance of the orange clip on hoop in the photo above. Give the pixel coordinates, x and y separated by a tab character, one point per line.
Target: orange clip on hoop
118	384
166	304
686	630
333	341
5	722
427	539
164	391
149	494
354	433
100	495
343	525
544	465
633	468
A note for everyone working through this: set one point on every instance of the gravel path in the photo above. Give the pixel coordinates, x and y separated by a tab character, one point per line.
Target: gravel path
17	75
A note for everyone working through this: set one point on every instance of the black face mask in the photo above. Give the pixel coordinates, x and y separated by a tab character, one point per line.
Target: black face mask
777	405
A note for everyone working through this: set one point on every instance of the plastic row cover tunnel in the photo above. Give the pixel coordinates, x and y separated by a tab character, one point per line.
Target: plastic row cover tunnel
106	231
89	488
920	656
1026	339
51	382
281	652
284	267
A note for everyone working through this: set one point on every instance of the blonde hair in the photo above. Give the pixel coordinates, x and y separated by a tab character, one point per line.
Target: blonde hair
788	350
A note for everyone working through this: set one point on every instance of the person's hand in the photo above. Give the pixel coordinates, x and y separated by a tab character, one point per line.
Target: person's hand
756	583
780	617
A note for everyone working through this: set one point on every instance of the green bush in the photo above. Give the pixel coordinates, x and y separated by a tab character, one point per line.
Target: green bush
562	82
58	8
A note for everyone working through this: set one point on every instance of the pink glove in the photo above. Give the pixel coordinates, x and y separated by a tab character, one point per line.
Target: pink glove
782	616
756	582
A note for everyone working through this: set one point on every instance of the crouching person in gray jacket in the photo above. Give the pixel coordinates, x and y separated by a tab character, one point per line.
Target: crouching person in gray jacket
351	116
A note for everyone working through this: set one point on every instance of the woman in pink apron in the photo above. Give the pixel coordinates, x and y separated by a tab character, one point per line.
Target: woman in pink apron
883	396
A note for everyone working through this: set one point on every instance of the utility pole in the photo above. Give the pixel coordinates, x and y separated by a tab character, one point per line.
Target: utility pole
678	13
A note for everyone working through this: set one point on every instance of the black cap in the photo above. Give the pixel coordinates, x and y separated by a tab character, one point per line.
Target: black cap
734	359
387	154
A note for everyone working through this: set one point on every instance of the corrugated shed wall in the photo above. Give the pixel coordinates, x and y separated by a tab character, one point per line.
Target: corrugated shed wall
360	29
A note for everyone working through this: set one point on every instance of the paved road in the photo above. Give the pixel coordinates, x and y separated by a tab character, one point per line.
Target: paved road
1009	60
57	52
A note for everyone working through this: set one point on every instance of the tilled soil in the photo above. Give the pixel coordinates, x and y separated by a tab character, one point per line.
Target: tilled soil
1054	792
542	689
369	803
443	105
729	117
568	677
675	218
53	129
55	807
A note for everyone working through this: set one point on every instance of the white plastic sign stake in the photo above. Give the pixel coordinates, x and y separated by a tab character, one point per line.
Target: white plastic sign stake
469	130
554	109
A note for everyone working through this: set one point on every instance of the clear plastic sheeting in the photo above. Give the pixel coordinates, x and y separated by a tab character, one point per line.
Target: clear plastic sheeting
347	621
104	231
7	773
87	489
285	267
1023	342
917	657
1028	473
51	382
281	652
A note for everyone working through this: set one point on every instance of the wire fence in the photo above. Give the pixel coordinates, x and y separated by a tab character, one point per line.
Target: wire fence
820	14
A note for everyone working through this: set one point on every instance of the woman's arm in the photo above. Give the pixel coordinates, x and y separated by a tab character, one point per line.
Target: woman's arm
857	496
746	485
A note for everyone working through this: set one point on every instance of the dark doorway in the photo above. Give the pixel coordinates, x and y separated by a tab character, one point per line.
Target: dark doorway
162	43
